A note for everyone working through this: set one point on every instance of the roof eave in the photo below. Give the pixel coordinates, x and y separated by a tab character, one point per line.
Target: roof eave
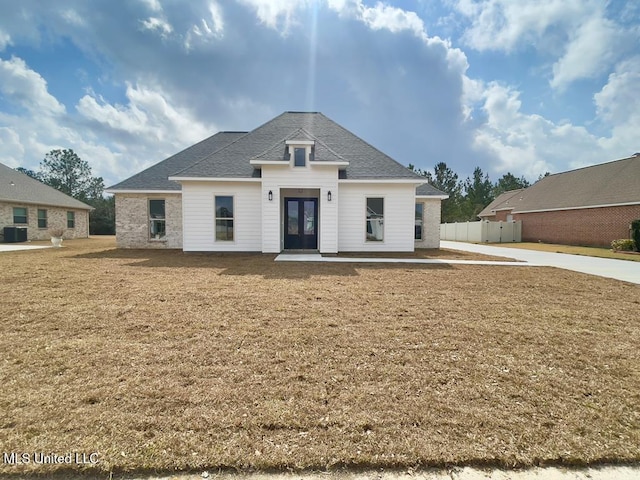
216	179
441	197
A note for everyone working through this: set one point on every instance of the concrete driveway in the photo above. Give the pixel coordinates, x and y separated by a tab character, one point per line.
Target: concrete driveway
626	271
15	247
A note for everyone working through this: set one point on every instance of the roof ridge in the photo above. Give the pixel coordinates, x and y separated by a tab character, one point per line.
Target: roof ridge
593	166
369	145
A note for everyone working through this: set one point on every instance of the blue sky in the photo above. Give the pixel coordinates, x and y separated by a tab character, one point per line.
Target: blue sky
523	86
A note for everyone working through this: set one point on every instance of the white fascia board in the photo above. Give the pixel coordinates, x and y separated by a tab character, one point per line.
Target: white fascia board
329	163
300	142
214	179
382	180
164	192
441	197
585	207
276	163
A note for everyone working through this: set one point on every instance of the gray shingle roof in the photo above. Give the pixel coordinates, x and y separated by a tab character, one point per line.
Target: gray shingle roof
505	201
156	177
20	188
228	154
429	190
611	183
365	161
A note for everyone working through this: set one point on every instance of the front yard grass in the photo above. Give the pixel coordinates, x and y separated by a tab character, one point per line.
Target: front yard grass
168	361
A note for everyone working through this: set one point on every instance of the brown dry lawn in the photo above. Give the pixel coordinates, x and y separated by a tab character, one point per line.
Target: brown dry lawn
170	361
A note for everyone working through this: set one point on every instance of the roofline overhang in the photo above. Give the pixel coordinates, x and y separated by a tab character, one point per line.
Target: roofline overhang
583	207
381	180
441	197
46	204
132	190
215	179
284	163
300	142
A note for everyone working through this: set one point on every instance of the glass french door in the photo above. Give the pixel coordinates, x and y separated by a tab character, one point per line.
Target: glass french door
301	223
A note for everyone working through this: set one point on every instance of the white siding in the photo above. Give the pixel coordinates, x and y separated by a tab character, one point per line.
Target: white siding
198	200
399	205
319	177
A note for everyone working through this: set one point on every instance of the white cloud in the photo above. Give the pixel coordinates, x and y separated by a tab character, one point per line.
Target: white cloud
149	115
5	40
27	88
276	14
391	18
618	106
11	150
153	5
530	144
157	24
73	18
575	32
591	51
208	28
505	24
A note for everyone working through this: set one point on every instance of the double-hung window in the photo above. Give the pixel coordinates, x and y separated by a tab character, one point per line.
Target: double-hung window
224	218
71	219
42	218
375	219
19	215
418	222
157	220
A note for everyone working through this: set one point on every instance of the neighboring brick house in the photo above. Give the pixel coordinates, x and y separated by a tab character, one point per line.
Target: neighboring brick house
26	202
589	206
298	182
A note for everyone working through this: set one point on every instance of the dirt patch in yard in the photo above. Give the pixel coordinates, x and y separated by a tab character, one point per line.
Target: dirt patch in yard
157	360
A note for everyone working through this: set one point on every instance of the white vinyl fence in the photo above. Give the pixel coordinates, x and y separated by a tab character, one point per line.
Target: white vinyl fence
482	232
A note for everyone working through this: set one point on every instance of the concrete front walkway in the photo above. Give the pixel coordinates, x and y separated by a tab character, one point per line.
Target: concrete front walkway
316	257
13	247
624	270
608	472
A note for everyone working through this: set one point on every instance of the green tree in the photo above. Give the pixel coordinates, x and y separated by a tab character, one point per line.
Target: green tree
67	172
64	170
478	194
28	172
509	182
102	220
446	180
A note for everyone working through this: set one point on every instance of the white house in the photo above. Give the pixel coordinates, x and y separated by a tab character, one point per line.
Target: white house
298	182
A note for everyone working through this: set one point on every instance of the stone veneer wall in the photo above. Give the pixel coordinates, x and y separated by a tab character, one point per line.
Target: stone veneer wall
430	223
132	220
56	218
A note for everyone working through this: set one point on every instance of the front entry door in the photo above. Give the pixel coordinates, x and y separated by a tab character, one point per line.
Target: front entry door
301	223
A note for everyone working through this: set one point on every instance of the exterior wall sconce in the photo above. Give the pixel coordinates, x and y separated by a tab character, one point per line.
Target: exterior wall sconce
270	195
329	196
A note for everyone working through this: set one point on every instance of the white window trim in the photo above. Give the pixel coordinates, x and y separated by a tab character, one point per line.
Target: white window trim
164	238
216	218
421	224
384	236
